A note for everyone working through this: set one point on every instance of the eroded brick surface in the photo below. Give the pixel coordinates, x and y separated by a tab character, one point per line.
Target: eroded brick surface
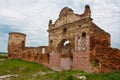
74	43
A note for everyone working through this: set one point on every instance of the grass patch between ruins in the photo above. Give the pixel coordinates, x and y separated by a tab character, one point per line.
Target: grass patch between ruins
33	71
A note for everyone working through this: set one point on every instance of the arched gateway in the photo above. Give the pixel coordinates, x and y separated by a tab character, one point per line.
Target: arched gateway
66	49
69	40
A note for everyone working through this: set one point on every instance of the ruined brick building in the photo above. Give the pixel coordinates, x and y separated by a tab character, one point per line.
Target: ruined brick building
75	42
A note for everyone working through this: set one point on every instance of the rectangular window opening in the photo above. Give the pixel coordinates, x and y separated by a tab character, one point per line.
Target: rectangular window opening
43	50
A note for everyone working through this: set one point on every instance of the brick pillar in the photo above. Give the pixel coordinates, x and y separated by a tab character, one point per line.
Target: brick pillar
81	57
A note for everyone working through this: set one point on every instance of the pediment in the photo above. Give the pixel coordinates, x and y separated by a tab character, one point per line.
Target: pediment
69	18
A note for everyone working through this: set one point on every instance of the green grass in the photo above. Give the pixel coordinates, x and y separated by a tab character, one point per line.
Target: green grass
33	71
22	68
3	56
63	75
115	75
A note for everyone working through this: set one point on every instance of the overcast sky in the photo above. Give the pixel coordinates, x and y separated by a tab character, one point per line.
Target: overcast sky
32	16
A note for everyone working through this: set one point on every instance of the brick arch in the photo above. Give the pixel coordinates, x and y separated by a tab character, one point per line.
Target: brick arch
66	53
61	44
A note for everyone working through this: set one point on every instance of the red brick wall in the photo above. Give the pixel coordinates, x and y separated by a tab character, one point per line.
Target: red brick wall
16	44
81	62
66	63
54	61
34	54
81	59
108	57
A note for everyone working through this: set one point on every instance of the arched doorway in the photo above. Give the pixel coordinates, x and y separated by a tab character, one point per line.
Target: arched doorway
66	50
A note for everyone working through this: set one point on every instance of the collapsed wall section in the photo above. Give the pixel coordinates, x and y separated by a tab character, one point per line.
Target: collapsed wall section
102	56
98	37
17	50
107	59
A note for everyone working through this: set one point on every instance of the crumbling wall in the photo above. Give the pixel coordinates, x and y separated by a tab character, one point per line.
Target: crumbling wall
17	50
67	16
88	43
66	27
98	37
107	58
36	54
68	32
16	44
30	54
43	55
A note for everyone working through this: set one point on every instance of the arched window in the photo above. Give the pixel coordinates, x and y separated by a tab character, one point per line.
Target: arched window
83	34
83	41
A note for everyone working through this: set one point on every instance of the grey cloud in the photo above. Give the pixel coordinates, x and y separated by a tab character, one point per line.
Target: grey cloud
32	16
